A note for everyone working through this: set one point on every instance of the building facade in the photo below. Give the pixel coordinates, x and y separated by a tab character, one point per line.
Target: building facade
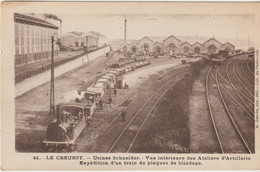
172	44
32	39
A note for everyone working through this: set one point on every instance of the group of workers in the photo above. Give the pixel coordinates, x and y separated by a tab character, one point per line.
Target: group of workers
123	113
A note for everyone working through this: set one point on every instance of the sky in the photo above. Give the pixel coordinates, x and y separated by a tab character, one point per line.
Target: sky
112	26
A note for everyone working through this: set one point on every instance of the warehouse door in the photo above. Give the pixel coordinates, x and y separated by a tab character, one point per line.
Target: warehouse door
212	49
186	49
197	50
146	47
228	49
133	49
172	47
158	49
125	49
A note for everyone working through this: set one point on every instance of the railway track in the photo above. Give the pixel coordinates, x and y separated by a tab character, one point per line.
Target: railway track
227	132
92	134
128	135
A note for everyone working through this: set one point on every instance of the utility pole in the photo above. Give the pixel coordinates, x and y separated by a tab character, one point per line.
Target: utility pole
52	100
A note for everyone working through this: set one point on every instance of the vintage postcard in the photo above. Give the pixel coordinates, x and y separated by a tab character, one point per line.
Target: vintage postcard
130	85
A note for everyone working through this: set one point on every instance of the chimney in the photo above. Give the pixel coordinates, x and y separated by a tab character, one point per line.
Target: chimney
125	31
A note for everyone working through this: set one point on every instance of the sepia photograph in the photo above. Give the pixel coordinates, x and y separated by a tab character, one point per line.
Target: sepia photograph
130	83
133	83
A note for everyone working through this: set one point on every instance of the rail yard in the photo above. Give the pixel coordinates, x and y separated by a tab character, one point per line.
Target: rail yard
140	104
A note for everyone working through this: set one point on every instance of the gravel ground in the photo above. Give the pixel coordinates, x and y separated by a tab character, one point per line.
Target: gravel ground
202	138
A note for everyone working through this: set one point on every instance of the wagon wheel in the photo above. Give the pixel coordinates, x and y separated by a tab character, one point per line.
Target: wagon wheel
51	149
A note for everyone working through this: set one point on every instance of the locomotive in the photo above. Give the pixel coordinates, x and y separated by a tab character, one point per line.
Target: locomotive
71	119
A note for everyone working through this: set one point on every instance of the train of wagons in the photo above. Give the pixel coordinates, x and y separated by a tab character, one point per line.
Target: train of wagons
74	115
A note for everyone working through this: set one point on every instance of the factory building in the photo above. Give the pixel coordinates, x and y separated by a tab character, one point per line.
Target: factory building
172	44
79	39
32	39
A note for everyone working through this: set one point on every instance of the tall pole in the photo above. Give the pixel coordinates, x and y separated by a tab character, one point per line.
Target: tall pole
52	102
60	28
125	31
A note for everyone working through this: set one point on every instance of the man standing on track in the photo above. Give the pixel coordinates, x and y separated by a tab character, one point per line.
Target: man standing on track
110	102
123	115
115	91
100	104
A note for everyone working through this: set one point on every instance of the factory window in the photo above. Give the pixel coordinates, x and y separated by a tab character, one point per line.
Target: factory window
16	40
27	30
16	29
22	40
22	30
22	50
16	50
28	49
32	31
28	40
32	49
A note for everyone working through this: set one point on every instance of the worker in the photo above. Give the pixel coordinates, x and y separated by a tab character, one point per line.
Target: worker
123	115
100	104
126	86
115	91
110	102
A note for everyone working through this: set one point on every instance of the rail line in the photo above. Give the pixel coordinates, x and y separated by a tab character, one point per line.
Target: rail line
232	85
118	115
234	128
234	70
228	112
210	111
243	70
239	93
251	71
252	117
146	117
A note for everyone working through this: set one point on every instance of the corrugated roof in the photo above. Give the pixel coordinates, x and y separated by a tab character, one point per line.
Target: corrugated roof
32	20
